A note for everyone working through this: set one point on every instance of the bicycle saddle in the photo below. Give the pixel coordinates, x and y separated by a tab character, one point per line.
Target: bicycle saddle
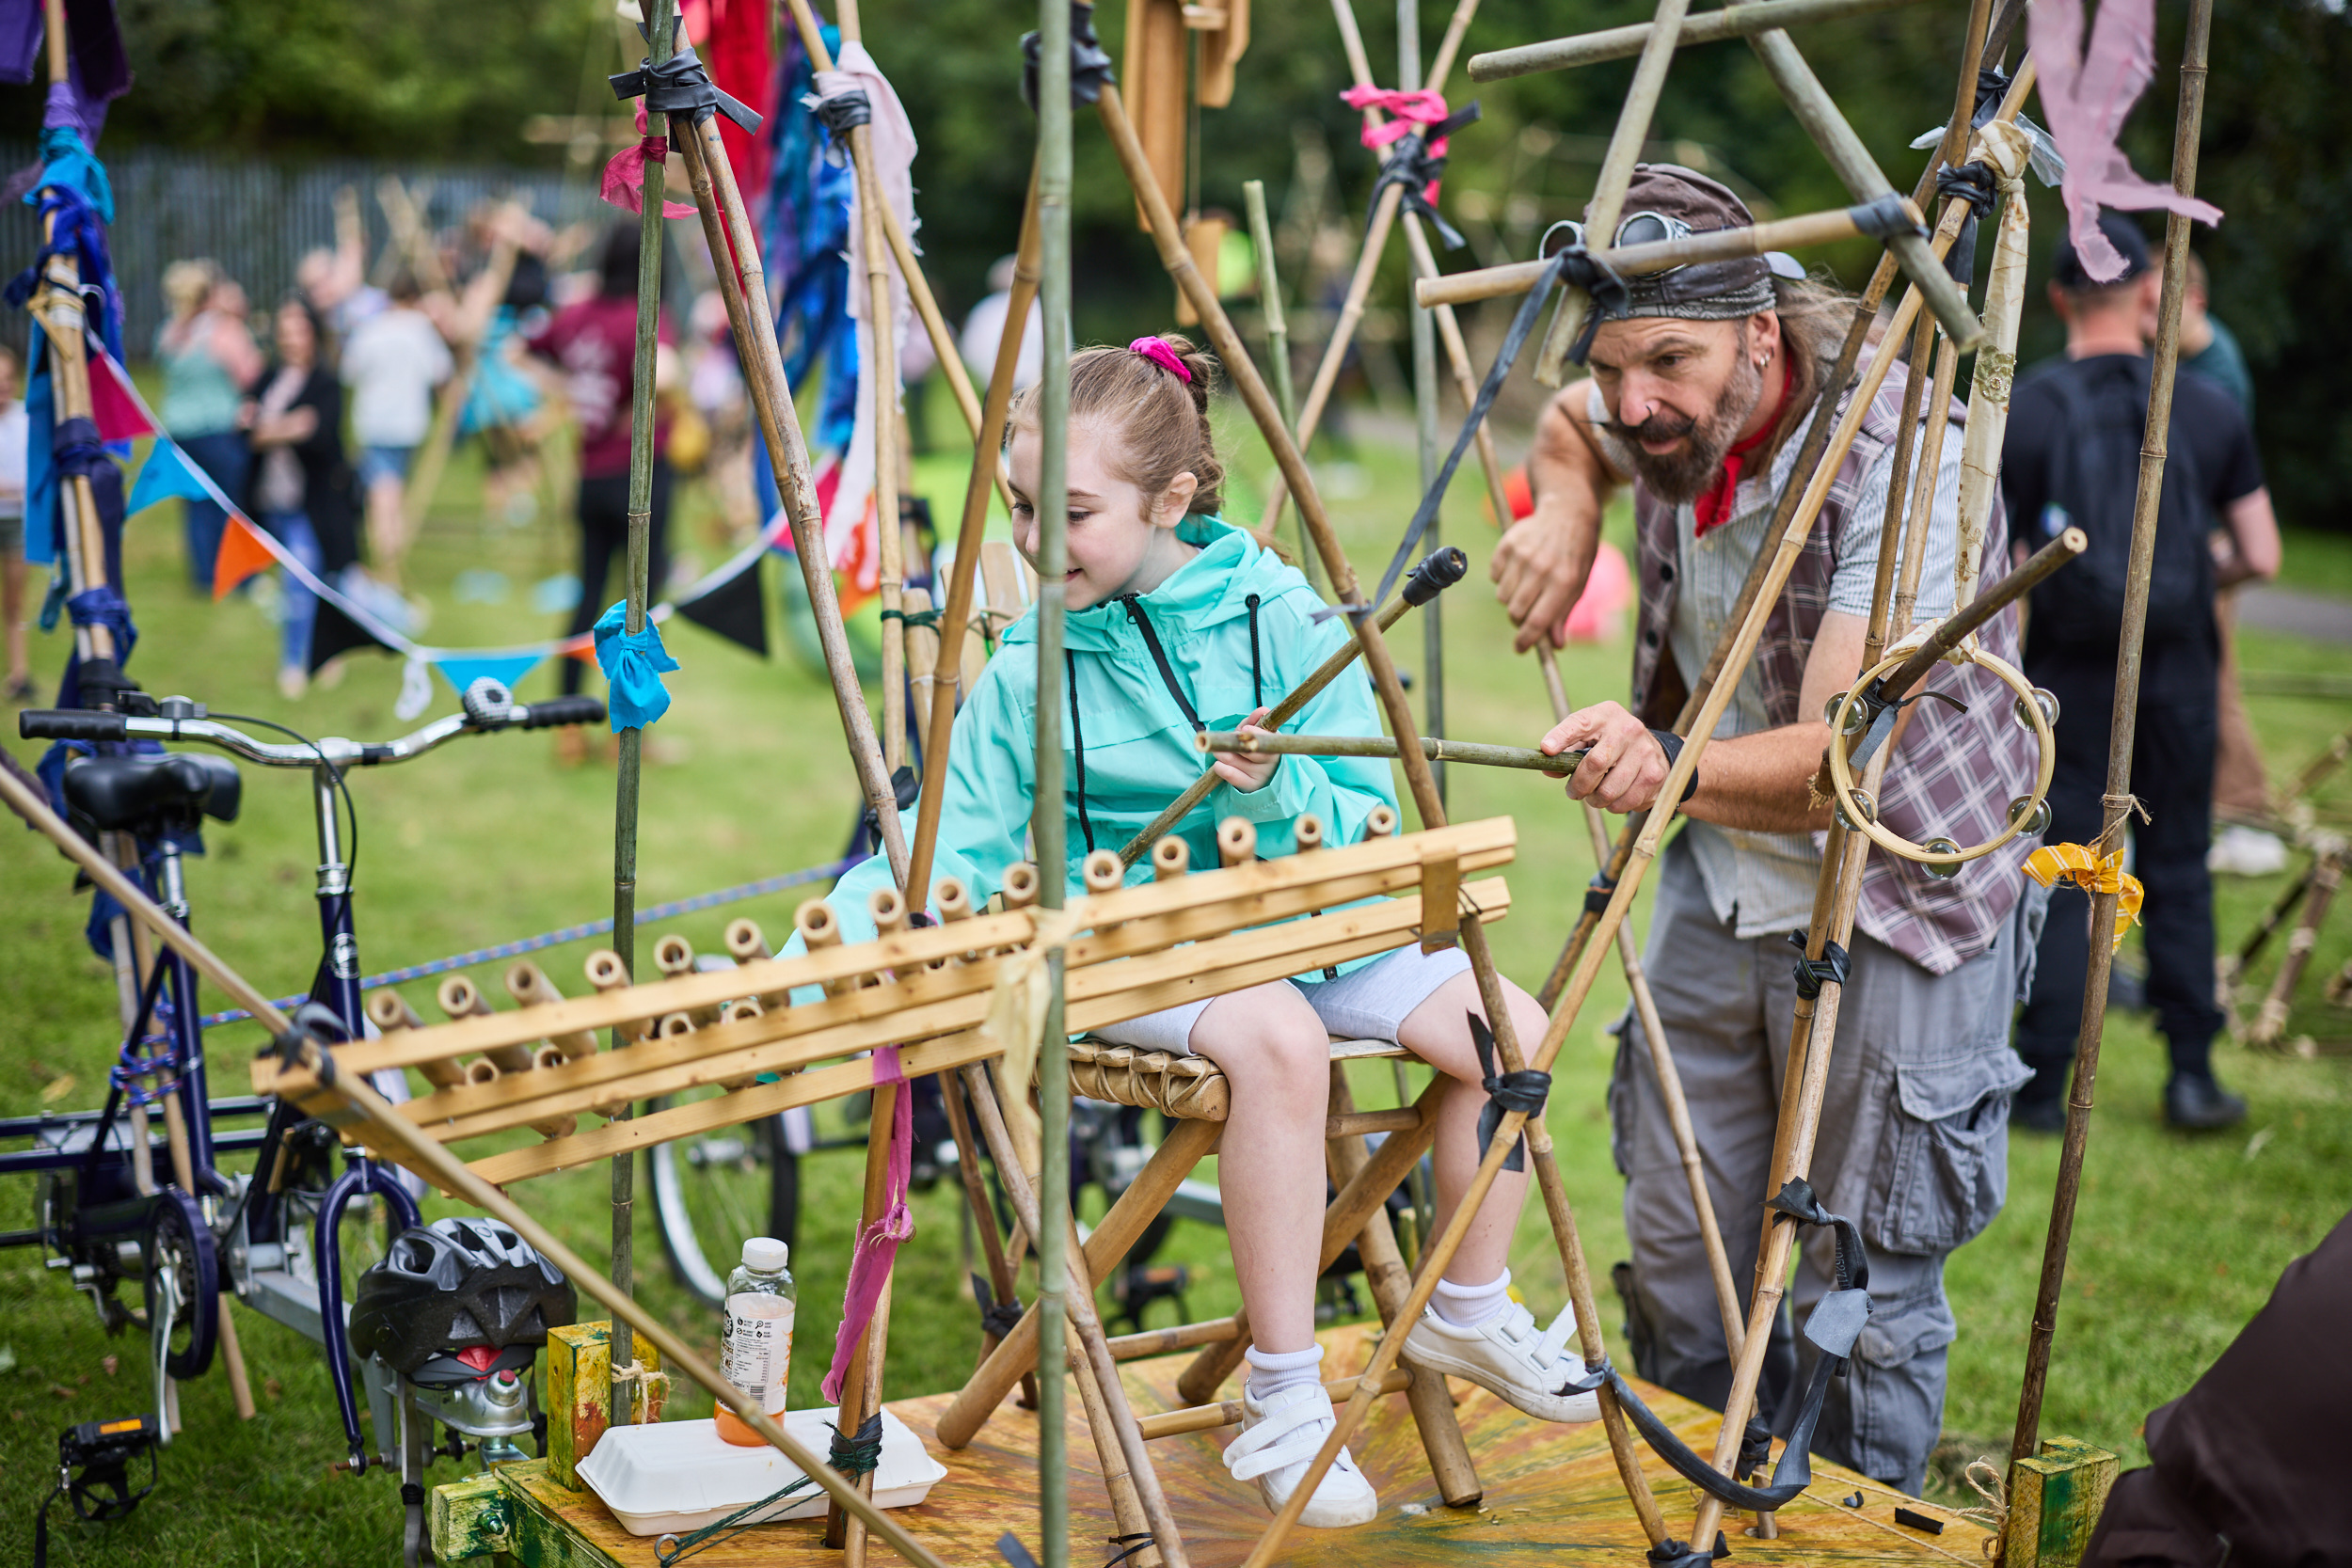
128	791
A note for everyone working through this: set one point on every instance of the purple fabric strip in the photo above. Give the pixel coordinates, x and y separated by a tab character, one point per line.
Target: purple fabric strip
877	1243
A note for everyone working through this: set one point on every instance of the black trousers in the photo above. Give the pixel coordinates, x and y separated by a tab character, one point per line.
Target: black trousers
604	539
2172	757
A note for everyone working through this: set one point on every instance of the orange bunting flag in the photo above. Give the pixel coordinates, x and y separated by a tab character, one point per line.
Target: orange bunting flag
243	553
2054	864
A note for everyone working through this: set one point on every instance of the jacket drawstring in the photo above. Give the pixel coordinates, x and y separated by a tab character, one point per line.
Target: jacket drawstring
1257	682
1159	656
1078	747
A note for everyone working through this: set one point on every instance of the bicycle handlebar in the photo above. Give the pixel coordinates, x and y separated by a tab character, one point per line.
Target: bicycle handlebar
91	724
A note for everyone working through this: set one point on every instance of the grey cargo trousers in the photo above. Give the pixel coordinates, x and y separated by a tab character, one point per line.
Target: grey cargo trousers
1913	1148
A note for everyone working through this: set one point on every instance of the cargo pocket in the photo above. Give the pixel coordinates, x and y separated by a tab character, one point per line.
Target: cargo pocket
1943	1166
1621	1092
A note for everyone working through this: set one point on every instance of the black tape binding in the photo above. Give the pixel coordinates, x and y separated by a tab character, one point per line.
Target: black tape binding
1523	1091
1831	968
1089	71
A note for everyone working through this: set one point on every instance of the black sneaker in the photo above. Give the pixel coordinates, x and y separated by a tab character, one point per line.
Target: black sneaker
2195	1102
2039	1116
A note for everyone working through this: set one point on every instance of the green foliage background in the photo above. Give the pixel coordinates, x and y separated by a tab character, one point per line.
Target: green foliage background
435	80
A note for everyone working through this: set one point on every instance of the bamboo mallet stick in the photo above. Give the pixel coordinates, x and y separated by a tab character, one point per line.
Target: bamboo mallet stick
1620	44
1478	754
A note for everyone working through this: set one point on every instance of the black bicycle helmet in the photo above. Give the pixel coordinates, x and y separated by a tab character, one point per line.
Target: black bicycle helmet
459	1299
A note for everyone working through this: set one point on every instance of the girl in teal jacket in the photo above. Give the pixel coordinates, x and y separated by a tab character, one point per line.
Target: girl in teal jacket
1178	623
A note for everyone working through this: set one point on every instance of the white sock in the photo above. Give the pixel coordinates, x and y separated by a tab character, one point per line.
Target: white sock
1273	1372
1469	1305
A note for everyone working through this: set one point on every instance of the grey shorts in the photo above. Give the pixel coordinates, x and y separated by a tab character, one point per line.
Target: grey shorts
12	537
1367	1004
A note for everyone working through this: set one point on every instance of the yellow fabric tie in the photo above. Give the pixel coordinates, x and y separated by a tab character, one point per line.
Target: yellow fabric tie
2054	864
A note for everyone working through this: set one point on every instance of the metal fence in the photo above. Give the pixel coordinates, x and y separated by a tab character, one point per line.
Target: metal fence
257	218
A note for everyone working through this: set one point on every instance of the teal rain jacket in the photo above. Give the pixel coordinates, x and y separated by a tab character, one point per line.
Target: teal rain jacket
1238	630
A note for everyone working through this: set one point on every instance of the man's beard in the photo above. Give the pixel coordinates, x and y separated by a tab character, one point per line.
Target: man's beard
1691	469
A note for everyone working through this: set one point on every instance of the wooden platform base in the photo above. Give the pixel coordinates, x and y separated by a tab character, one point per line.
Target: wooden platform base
1553	1495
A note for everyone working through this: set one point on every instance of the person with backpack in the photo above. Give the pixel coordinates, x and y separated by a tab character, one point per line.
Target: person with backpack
2072	458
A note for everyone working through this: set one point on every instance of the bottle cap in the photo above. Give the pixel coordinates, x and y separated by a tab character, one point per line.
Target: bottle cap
766	1254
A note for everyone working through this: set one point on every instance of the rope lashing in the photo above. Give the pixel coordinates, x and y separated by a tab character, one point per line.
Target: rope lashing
859	1453
913	617
1572	266
1523	1091
633	664
998	1319
1830	969
1416	136
678	86
1977	185
1089	71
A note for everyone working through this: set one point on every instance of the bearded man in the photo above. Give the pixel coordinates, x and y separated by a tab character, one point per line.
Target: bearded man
1699	396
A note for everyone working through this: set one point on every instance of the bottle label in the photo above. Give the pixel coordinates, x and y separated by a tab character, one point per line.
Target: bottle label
756	1347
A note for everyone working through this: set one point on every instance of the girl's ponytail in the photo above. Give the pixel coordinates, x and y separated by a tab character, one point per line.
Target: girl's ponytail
1153	396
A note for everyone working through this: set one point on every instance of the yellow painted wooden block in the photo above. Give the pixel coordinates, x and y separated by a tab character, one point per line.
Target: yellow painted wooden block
578	1394
2054	1503
468	1519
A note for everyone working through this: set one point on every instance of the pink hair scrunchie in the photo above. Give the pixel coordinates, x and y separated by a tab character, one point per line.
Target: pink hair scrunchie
1161	355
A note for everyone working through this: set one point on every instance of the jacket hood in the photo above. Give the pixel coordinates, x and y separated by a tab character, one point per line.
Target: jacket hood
1213	587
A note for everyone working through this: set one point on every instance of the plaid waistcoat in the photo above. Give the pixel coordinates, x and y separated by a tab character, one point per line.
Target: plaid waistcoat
1952	774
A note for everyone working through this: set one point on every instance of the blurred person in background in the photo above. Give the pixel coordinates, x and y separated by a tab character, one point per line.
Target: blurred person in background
984	328
594	344
391	362
2241	791
302	482
209	359
2071	458
14	432
335	279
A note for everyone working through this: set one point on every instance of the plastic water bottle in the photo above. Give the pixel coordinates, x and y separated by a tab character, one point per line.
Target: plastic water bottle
755	1341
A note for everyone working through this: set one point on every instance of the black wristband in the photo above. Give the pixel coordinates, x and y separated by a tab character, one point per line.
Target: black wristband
1670	744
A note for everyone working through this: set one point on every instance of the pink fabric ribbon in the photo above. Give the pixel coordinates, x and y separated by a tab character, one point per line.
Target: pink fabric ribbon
624	176
2086	96
878	1243
1405	109
1161	355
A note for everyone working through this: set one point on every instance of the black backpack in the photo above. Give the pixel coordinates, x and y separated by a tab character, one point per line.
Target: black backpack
2094	480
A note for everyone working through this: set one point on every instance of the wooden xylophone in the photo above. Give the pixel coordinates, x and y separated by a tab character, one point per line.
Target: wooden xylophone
1129	951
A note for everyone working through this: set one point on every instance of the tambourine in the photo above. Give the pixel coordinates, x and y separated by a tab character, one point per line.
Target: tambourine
2034	709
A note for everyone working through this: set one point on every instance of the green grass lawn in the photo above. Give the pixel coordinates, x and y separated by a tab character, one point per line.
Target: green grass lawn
2177	1243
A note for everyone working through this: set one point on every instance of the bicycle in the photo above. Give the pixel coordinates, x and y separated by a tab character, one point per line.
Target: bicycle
272	1235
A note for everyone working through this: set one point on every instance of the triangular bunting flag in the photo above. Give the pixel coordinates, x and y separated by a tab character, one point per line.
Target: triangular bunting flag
334	633
243	553
508	669
115	411
167	472
737	610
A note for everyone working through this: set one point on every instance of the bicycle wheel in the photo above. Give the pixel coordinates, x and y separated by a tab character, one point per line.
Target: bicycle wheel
713	1190
183	1283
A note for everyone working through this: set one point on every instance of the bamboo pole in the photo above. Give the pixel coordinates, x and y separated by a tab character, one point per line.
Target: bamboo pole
1277	332
1004	1283
957	611
1382	668
1616	173
788	454
1432	747
1047	828
861	1386
1619	44
2118	801
661	40
1425	335
1516	277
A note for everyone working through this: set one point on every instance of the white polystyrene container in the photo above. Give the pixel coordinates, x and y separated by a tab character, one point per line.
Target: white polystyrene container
676	1475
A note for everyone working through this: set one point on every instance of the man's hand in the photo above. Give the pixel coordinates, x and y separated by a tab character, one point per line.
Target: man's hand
1246	771
1624	766
1538	571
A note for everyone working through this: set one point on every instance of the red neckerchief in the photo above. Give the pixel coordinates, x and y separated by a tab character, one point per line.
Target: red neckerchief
1713	508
